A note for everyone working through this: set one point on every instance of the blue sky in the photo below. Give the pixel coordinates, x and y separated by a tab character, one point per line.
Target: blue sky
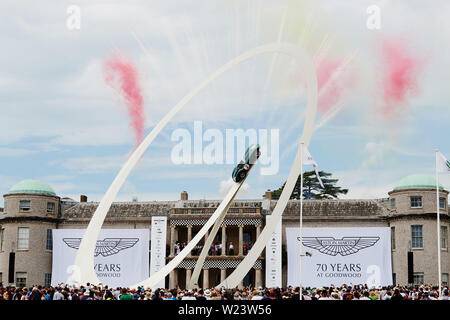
62	124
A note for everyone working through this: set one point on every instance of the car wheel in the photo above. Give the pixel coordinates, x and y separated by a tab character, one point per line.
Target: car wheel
242	175
246	166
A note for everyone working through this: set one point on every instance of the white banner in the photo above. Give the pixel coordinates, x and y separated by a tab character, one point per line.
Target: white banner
340	256
273	257
158	246
121	255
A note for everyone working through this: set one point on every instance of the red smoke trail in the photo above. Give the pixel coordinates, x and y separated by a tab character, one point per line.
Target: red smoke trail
399	75
332	83
122	76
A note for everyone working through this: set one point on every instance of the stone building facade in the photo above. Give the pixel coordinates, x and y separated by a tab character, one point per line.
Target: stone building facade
410	212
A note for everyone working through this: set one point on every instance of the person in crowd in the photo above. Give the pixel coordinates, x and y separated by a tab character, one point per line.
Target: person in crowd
388	295
18	294
188	296
108	295
324	295
36	294
344	292
444	295
397	296
125	295
200	295
75	296
366	296
157	295
373	295
348	295
58	295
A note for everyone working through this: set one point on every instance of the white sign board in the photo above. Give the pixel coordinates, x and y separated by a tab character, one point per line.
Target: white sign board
158	247
120	258
340	256
273	257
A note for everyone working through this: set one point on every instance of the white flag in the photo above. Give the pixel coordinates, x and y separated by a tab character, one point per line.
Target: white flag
443	164
308	159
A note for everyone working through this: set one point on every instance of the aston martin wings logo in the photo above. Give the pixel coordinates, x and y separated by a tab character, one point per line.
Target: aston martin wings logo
345	246
106	247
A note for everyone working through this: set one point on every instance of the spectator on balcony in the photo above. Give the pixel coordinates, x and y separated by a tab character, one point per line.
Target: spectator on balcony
231	249
177	248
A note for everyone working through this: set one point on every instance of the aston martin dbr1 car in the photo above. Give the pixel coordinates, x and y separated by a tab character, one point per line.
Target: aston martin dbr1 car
251	155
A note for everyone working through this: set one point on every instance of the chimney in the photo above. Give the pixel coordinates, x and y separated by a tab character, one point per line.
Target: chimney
83	198
268	195
184	195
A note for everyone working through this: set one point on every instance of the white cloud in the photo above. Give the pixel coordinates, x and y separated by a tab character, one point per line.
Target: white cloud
13	152
375	154
93	165
57	98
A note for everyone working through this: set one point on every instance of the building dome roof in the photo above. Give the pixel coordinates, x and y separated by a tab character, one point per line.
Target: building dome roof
417	181
32	186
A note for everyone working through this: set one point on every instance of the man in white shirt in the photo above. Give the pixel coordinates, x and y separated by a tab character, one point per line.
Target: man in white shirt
117	293
58	295
388	295
258	296
444	295
188	296
231	249
324	295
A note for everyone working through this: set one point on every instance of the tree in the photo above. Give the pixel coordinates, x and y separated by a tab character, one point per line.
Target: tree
312	188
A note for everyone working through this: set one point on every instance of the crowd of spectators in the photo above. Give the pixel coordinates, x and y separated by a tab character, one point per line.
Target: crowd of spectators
344	292
214	250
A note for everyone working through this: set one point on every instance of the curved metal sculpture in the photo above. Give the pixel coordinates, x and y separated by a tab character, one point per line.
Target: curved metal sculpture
84	261
201	259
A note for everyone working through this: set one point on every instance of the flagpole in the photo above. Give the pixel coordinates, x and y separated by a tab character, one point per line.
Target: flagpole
301	217
438	224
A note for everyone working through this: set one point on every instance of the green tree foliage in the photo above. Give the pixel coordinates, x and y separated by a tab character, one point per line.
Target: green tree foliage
312	188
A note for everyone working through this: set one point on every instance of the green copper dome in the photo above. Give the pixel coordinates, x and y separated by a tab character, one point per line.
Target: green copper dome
417	181
32	186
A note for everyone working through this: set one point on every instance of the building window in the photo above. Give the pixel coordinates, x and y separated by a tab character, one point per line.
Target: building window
444	237
416	202
444	279
5	209
23	236
2	238
416	237
393	238
21	279
393	204
49	240
394	279
441	203
1	279
418	278
47	279
50	207
25	205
